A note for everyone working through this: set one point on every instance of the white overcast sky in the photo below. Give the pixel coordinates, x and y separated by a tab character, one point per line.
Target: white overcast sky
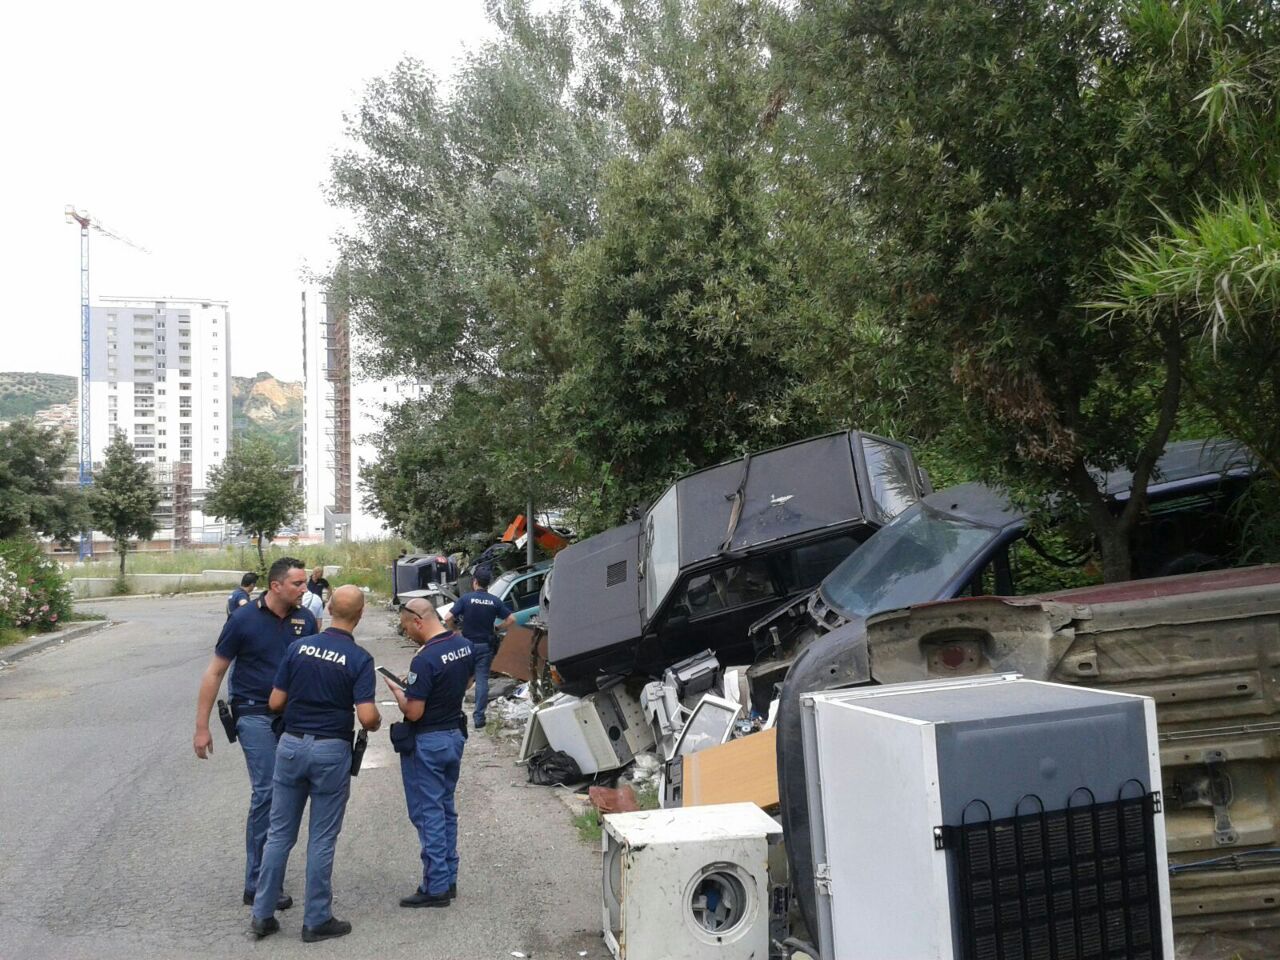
203	133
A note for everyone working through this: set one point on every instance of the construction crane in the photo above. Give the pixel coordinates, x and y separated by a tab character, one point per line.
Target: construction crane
87	221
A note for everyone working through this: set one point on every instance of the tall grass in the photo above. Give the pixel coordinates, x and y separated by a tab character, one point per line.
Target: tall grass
365	563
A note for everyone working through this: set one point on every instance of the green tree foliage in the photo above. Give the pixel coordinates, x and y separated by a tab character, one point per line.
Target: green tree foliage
35	497
987	161
255	488
464	201
124	497
678	309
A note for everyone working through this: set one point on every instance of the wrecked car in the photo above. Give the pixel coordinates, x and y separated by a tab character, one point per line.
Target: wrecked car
1204	646
718	549
969	540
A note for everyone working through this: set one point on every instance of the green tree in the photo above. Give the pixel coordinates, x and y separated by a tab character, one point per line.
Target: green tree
983	165
124	497
35	496
255	488
679	309
463	201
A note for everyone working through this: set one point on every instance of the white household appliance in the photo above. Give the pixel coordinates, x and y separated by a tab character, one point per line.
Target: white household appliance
690	884
603	731
986	817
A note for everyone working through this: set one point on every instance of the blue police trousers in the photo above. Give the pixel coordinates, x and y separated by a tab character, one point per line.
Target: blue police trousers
430	776
258	744
321	771
483	654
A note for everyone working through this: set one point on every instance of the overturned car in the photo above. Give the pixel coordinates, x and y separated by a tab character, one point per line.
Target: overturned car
719	549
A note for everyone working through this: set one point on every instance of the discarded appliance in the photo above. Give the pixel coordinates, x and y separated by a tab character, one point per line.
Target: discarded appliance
665	702
986	817
710	724
601	732
690	884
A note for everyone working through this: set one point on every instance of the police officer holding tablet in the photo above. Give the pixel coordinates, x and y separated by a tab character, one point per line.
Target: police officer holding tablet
431	756
319	681
255	640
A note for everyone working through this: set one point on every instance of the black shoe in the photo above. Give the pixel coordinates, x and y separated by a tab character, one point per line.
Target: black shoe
284	903
420	899
480	723
264	928
452	892
333	927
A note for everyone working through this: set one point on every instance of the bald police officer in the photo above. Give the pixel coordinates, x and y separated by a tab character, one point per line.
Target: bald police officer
431	702
320	681
255	639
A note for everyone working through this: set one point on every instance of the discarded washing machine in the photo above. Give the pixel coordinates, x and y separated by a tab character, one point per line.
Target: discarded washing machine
601	732
692	884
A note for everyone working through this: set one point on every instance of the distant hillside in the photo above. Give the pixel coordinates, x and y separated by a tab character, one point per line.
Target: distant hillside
22	394
266	407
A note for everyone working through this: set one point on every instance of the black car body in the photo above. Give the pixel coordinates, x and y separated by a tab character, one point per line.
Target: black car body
718	549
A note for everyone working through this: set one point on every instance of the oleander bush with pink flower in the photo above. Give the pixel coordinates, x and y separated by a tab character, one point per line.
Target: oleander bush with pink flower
34	597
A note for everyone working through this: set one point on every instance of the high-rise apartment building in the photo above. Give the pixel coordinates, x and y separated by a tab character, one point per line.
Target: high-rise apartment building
342	414
160	372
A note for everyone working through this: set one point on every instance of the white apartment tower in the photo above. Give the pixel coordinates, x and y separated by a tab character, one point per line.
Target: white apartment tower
160	372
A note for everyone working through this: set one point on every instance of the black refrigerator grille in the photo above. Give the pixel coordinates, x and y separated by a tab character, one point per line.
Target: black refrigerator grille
1072	884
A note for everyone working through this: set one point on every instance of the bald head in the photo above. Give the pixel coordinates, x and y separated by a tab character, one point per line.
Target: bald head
419	620
346	606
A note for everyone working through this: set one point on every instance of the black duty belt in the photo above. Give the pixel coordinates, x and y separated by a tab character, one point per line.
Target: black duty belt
421	727
250	709
320	736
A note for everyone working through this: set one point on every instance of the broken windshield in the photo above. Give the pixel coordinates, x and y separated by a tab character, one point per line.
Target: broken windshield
909	561
661	550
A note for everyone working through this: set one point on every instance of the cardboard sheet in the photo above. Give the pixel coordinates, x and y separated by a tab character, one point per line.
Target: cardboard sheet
514	656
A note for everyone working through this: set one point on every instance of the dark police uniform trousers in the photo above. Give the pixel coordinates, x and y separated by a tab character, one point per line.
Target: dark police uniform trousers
438	676
478	611
325	677
255	641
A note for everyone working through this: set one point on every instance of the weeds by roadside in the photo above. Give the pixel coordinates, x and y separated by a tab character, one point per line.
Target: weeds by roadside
588	825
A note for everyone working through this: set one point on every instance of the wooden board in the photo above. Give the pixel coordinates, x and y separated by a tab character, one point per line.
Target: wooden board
512	659
742	770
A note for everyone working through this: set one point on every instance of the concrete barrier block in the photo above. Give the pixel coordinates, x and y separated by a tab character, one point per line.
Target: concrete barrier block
331	571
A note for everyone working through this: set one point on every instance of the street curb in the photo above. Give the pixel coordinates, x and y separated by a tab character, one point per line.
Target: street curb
151	596
36	644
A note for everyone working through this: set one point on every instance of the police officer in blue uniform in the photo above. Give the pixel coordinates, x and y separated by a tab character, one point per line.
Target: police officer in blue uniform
431	702
478	612
242	594
320	681
255	639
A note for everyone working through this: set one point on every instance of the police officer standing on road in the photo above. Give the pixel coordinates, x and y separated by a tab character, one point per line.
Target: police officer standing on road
431	702
255	639
478	611
320	681
241	594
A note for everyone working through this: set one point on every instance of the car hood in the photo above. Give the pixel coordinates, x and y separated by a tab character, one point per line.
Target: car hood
597	598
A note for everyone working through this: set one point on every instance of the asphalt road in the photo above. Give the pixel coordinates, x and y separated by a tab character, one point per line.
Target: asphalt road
116	842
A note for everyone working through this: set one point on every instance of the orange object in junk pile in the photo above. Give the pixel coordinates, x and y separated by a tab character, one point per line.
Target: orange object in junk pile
547	539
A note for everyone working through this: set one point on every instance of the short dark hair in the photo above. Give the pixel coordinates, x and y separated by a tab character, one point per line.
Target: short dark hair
483	576
280	569
249	580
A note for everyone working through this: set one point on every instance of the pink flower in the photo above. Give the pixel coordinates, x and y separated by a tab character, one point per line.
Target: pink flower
53	618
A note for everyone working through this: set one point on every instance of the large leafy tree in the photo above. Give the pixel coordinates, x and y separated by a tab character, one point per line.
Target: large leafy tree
124	497
679	308
979	165
35	497
254	487
464	200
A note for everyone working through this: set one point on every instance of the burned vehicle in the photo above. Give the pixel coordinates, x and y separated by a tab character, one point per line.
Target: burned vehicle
969	540
1204	646
718	549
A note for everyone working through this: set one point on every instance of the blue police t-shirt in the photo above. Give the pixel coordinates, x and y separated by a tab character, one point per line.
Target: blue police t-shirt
478	611
325	676
439	675
238	597
255	641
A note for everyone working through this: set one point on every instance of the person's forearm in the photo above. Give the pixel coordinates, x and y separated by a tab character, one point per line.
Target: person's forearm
209	684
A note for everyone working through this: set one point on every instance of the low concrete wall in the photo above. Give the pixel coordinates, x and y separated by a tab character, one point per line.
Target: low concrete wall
85	587
222	578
